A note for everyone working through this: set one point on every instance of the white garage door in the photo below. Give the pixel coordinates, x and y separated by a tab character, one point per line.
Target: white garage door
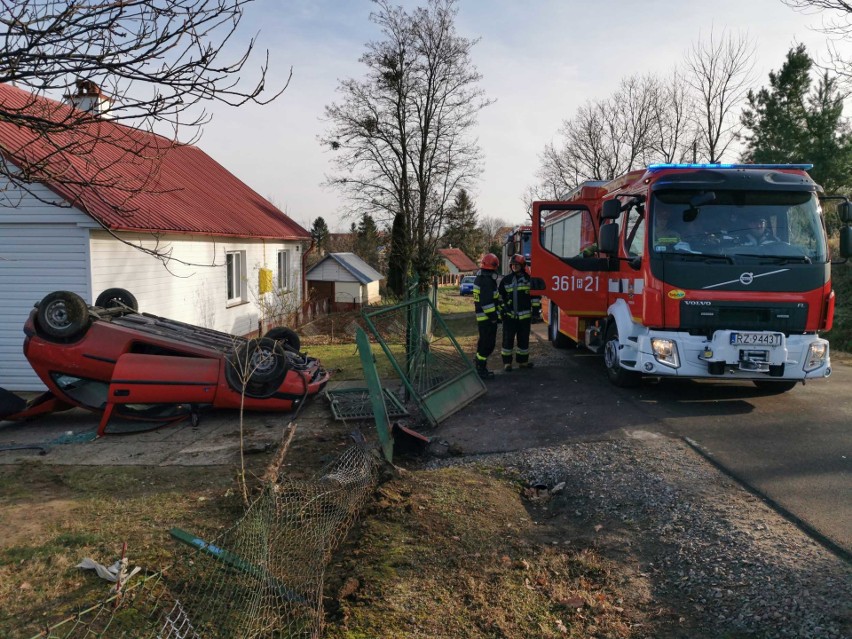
35	259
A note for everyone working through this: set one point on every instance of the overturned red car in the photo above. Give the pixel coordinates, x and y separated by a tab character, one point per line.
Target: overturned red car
111	358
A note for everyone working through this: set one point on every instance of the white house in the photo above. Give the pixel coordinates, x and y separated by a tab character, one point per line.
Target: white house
166	222
458	264
345	279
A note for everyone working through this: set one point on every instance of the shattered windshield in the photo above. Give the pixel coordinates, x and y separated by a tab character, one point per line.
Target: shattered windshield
738	225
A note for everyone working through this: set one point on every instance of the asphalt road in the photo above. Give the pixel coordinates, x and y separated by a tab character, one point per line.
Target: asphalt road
794	448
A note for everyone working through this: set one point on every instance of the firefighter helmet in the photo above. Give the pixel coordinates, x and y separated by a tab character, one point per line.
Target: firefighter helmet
489	262
518	259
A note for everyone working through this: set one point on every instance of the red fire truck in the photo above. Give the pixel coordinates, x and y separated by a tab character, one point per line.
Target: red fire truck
516	242
715	271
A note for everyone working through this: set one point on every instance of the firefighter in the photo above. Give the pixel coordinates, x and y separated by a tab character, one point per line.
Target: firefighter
486	301
518	307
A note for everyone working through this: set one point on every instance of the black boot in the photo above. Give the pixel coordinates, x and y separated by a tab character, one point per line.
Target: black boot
483	371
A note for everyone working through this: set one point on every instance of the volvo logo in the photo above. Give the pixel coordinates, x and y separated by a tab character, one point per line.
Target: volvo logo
746	278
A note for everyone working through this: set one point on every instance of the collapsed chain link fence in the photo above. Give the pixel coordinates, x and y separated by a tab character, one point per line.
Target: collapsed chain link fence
262	578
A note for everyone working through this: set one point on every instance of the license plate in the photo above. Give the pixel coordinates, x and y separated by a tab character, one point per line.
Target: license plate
756	339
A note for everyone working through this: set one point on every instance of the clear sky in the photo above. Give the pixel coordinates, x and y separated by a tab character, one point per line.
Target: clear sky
540	60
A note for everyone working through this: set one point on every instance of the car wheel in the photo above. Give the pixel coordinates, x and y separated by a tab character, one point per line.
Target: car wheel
771	387
62	315
559	340
286	336
257	366
117	298
617	375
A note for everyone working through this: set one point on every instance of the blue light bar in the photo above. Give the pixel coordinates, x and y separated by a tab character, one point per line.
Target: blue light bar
799	167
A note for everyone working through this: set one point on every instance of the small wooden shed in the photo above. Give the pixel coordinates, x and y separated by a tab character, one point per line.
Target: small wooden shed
344	279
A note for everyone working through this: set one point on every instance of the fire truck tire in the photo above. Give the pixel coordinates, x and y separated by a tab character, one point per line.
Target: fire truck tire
287	337
259	366
617	375
772	388
62	315
559	340
116	298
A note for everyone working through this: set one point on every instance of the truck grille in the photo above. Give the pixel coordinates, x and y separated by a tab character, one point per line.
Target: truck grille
704	317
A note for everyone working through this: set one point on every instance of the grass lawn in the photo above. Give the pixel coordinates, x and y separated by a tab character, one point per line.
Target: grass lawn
450	302
338	353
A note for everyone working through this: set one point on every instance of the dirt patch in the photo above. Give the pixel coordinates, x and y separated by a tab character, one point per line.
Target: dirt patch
456	553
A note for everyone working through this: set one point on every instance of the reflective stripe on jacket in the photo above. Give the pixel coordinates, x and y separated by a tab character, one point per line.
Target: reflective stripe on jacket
486	299
514	290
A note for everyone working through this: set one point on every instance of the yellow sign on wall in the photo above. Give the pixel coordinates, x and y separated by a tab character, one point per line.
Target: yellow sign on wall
264	280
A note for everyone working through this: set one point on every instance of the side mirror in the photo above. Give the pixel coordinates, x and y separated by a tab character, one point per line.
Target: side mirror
611	210
846	241
844	210
537	284
608	243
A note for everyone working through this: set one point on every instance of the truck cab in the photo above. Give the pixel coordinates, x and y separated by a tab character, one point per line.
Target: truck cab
698	271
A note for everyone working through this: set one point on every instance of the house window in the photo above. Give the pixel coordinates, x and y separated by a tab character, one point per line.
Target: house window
235	264
284	270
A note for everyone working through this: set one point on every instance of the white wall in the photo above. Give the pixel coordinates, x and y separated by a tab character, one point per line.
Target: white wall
192	285
43	248
451	267
351	292
373	295
331	271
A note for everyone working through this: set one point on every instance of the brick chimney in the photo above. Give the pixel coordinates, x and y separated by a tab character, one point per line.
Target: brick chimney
89	97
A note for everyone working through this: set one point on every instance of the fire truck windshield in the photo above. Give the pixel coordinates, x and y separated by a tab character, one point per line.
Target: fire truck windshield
737	225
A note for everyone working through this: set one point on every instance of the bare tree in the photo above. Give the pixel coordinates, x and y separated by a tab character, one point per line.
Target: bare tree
402	135
152	64
605	139
490	228
837	25
674	137
720	71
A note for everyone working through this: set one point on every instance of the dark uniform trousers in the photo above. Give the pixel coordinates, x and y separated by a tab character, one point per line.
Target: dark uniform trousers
518	307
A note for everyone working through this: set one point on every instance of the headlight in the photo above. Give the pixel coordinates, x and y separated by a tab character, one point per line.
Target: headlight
665	351
817	354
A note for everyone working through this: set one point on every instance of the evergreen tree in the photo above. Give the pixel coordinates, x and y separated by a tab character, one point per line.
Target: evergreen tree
463	227
320	235
367	241
789	122
776	116
400	258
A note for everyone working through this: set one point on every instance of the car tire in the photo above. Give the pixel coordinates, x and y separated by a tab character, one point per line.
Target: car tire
62	315
257	365
772	388
287	337
117	298
617	375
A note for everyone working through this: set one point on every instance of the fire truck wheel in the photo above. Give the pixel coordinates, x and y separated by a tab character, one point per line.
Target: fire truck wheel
259	366
286	336
772	388
559	340
617	375
117	298
62	315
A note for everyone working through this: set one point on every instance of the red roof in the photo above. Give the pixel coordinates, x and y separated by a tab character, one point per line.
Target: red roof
133	180
458	259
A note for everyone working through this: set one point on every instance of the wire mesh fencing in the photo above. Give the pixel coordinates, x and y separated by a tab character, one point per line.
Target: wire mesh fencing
262	578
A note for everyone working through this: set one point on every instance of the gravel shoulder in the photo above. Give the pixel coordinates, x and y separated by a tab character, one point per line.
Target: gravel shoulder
698	553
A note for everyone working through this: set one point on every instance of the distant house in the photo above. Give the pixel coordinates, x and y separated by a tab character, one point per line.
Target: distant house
344	279
221	246
458	264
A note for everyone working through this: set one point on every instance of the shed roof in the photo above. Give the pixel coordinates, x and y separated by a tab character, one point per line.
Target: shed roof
133	180
458	259
362	271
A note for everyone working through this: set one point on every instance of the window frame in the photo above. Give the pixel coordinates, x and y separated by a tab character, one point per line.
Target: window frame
235	277
283	281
